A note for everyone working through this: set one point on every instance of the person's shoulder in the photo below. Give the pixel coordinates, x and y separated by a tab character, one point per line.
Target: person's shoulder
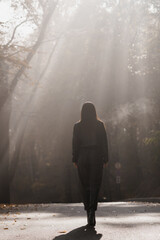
100	122
77	124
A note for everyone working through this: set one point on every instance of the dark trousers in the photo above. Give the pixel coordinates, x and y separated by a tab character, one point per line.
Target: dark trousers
90	170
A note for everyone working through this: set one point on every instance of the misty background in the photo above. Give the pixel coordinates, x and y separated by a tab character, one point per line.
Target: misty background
54	56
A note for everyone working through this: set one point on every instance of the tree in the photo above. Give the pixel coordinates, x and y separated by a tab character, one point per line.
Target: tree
13	55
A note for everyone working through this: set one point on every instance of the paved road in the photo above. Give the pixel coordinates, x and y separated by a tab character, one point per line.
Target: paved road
115	221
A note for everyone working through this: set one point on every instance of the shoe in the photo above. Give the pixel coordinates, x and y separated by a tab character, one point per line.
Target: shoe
91	218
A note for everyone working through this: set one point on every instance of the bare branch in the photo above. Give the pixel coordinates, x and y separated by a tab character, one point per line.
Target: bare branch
28	7
34	49
14	31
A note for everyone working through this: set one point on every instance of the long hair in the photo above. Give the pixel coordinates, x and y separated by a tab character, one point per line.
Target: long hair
88	113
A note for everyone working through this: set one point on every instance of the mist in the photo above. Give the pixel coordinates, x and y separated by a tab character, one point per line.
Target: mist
66	53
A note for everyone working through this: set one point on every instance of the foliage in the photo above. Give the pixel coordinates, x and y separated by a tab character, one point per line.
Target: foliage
153	144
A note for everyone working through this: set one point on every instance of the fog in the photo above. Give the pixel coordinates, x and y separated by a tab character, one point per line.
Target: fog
106	52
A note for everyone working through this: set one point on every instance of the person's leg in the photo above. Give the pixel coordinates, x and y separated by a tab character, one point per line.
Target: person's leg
83	173
96	172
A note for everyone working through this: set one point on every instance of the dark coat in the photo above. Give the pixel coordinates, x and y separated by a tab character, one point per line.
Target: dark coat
86	137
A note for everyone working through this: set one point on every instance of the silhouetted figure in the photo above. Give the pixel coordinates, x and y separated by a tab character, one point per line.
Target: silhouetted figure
90	154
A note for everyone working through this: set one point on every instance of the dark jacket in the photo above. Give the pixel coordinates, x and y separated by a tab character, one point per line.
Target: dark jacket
85	137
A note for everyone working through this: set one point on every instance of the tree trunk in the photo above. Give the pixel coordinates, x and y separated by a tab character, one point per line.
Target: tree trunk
4	138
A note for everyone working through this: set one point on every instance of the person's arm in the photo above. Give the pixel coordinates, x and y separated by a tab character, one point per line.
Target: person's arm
74	145
104	145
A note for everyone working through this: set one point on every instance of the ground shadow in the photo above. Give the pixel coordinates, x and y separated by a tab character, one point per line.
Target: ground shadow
81	233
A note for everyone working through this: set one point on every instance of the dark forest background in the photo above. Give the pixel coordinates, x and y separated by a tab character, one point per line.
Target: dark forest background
54	56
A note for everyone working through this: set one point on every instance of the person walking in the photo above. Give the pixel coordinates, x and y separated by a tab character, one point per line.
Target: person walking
90	156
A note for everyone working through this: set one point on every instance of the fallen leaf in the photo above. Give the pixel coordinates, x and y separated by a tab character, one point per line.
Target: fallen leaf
5	228
62	231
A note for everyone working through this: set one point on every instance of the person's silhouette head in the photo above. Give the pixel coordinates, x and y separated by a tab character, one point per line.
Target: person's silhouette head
88	112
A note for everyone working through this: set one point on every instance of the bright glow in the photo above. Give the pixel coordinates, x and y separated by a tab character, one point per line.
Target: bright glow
11	18
6	12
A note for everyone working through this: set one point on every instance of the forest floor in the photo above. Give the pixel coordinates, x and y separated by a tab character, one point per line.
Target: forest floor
115	221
